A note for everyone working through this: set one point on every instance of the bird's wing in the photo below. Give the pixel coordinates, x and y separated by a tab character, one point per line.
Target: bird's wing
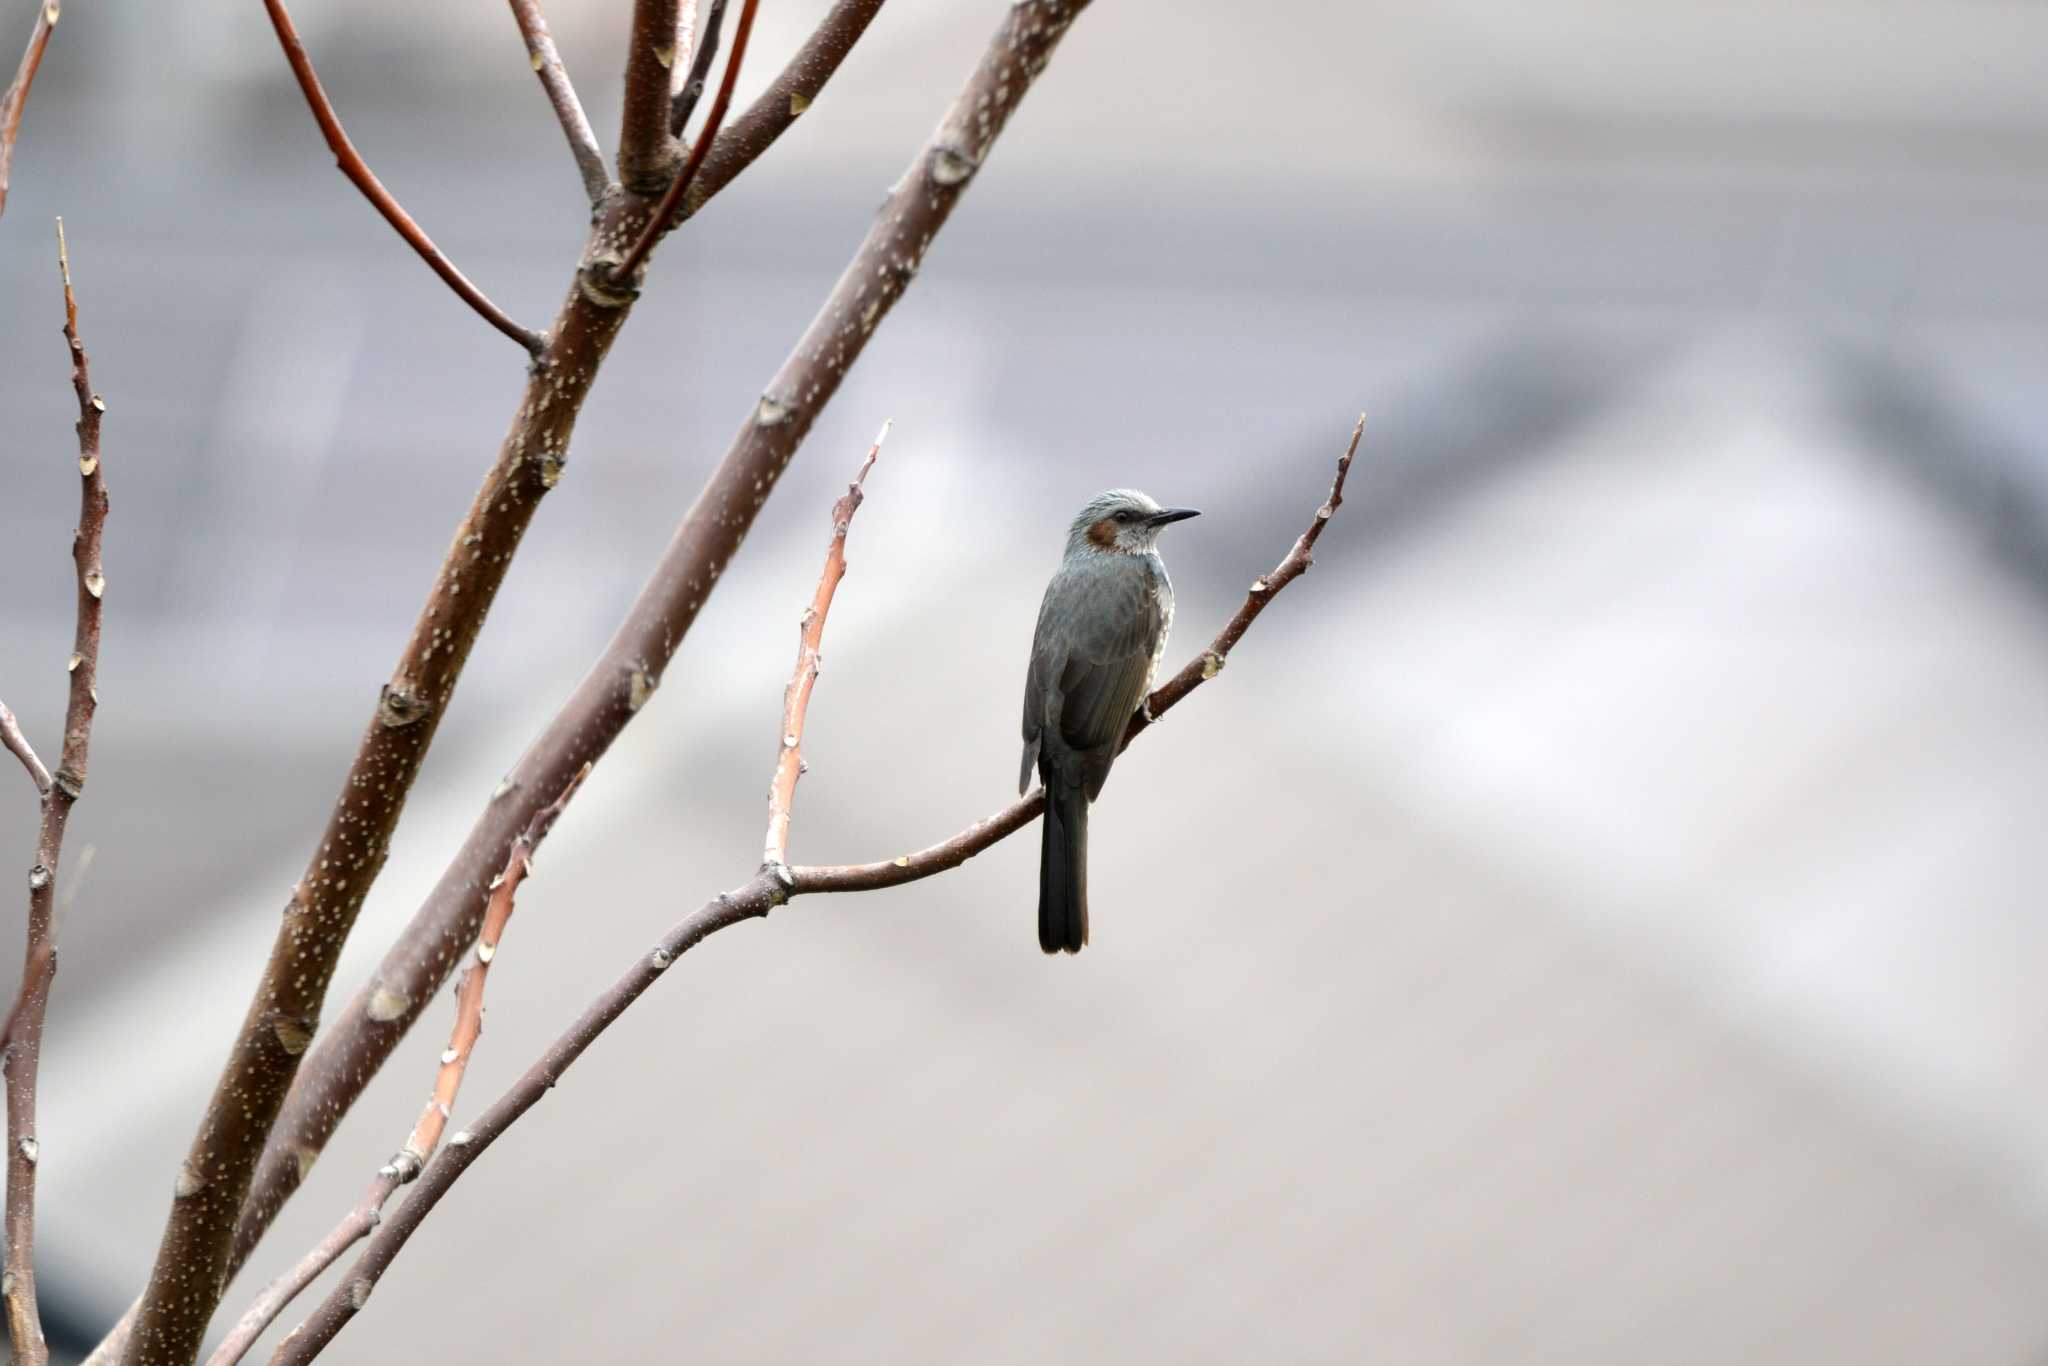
1047	659
1034	713
1105	673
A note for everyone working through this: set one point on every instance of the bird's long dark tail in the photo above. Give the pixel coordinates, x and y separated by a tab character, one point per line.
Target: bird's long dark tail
1063	871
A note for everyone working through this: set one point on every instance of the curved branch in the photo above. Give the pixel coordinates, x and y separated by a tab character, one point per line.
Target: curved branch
351	164
773	886
783	102
664	213
554	79
17	744
626	675
16	98
39	967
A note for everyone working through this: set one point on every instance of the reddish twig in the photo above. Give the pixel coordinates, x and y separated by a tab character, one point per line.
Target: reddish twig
425	1137
554	80
784	101
774	885
351	164
664	213
17	744
625	676
16	98
796	698
39	965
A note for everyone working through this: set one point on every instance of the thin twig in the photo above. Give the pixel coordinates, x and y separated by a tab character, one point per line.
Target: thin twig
39	965
774	885
213	1231
791	93
664	213
796	698
16	98
425	1137
554	79
704	49
18	745
351	164
647	154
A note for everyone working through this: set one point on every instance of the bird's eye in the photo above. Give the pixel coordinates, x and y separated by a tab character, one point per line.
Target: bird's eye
1124	516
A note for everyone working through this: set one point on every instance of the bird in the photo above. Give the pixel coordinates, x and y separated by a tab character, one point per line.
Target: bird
1101	632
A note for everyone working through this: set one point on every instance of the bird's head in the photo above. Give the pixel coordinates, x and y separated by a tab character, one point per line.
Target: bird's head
1121	522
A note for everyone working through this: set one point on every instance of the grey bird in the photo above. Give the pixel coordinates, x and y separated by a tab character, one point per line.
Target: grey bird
1101	631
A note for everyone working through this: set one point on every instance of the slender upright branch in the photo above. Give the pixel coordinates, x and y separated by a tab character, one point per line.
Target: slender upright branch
784	101
39	964
425	1137
774	885
796	698
554	79
629	671
705	47
17	744
352	165
664	214
16	98
647	154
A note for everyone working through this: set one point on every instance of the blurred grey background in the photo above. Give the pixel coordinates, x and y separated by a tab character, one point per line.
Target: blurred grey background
1597	917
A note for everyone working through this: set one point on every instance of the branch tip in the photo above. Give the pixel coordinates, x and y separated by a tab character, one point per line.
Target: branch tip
351	164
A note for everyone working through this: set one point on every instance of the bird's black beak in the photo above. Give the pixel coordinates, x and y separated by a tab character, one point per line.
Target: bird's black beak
1165	515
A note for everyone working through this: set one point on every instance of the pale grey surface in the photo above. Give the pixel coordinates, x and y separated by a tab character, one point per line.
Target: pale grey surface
1596	918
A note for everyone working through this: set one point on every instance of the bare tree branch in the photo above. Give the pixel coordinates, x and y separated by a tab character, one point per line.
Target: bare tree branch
426	1132
351	164
39	964
774	885
626	675
16	98
17	744
796	698
554	79
684	102
647	154
783	102
664	214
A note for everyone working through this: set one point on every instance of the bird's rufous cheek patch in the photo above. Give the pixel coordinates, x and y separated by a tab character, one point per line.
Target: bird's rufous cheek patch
1103	533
